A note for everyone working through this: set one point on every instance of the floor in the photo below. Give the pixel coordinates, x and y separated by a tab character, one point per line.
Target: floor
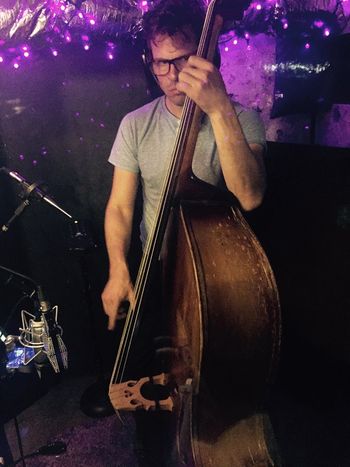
310	415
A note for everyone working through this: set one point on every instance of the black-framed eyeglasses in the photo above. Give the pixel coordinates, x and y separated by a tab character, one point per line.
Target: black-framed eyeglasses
162	67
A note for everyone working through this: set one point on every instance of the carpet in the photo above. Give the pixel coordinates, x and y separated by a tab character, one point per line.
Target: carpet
100	443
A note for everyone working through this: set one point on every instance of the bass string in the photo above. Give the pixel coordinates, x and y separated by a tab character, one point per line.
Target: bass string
148	258
154	240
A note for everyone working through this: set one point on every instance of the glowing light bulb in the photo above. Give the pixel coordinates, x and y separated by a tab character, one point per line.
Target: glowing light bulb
54	53
318	23
258	6
16	65
86	47
1	59
92	22
226	49
235	41
326	32
307	45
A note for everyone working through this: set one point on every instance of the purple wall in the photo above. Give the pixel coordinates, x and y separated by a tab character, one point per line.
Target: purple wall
246	74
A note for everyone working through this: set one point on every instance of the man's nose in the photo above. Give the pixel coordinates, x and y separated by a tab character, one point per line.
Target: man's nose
173	71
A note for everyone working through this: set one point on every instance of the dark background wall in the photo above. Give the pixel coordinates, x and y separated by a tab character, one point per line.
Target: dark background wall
58	121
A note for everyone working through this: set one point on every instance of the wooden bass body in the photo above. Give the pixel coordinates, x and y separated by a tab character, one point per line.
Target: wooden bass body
220	293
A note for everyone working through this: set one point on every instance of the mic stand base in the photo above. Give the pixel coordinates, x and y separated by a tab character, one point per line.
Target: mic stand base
95	402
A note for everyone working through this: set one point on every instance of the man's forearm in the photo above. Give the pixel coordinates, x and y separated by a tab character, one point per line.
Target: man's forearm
242	168
118	225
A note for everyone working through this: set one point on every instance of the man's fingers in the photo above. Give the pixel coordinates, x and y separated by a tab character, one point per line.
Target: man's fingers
111	322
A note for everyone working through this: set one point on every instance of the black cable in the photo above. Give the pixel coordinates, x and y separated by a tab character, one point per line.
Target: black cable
14	309
22	276
20	446
52	449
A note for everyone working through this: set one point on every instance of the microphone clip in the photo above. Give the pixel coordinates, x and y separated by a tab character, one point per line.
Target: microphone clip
44	335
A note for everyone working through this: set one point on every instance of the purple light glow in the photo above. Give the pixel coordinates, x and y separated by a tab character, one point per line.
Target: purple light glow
110	56
235	41
86	47
284	23
1	59
318	23
92	22
54	53
326	32
258	6
26	54
226	49
143	6
307	45
16	65
21	157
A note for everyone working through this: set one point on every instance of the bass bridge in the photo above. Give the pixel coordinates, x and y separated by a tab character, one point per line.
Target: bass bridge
150	393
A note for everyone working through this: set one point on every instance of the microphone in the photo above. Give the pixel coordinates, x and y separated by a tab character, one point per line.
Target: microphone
43	334
33	190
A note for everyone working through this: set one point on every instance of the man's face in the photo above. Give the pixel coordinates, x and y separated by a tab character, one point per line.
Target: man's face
164	47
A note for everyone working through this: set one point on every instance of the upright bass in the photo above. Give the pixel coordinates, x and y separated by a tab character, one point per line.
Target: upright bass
222	305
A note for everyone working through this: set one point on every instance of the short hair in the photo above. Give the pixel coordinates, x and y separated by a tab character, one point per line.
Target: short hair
172	17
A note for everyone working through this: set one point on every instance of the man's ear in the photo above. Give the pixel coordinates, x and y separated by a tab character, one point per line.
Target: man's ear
152	80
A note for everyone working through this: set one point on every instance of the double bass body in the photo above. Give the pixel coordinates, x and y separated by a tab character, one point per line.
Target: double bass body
221	297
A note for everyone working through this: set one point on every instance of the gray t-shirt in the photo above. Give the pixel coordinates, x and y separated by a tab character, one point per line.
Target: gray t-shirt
144	145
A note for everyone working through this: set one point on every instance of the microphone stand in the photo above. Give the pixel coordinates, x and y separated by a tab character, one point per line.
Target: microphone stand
18	211
94	402
29	192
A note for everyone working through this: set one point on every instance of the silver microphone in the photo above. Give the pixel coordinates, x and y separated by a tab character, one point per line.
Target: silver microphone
44	335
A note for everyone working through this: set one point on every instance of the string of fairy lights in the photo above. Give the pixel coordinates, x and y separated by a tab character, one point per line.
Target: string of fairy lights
268	17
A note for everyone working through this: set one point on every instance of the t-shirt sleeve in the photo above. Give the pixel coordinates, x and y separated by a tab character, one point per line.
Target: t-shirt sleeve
252	126
124	150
